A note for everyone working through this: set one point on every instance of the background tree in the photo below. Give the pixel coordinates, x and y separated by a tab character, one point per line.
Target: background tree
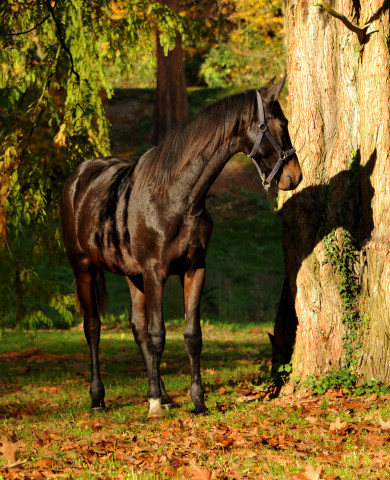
233	43
52	78
335	307
171	94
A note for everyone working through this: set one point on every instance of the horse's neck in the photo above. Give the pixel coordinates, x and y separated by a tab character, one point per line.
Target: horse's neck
199	175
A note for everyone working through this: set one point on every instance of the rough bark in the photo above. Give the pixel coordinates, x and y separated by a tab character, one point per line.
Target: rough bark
340	110
171	96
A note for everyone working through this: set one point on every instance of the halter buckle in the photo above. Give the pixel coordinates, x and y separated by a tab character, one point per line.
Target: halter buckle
266	184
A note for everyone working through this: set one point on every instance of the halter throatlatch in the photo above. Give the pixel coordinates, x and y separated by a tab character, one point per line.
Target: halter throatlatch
264	130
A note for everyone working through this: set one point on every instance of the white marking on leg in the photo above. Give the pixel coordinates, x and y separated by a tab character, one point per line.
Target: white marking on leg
155	410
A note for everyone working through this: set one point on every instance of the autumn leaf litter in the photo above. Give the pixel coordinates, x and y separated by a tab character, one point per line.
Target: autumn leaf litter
247	435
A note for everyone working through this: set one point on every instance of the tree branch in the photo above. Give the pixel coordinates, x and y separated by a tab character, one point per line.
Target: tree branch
360	31
31	29
61	39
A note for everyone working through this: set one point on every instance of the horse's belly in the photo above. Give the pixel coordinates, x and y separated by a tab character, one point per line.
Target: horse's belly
120	262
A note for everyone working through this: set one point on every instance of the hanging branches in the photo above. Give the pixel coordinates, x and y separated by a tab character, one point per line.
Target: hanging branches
31	29
52	117
61	39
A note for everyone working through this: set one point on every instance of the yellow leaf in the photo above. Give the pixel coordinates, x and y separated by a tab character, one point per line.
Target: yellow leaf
60	138
384	425
337	425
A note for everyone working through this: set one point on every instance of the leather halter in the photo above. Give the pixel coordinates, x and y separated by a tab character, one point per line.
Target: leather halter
264	130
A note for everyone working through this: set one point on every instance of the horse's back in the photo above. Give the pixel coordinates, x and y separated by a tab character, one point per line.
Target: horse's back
93	173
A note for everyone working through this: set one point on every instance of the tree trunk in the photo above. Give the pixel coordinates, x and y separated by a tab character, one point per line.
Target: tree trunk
171	102
335	308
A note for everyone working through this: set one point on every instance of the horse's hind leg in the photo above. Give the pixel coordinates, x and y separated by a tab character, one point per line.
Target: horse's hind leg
86	280
193	281
139	326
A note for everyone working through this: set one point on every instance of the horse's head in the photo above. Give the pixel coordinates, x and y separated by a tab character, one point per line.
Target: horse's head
268	140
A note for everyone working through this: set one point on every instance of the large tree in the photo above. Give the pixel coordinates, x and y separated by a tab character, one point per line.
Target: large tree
335	308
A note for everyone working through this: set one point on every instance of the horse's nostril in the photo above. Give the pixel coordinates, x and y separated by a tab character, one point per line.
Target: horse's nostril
299	179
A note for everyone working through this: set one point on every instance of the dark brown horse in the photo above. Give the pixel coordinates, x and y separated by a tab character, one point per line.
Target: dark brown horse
147	220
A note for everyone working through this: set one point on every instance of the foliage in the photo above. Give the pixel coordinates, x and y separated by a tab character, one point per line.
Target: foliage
212	23
235	43
137	67
52	85
341	254
252	49
281	370
345	380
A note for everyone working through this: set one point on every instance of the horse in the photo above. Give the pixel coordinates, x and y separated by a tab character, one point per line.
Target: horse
147	219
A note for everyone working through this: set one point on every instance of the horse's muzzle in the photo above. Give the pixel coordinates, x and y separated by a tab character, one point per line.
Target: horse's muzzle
291	175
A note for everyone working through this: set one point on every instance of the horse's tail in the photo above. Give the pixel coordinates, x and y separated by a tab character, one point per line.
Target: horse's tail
99	291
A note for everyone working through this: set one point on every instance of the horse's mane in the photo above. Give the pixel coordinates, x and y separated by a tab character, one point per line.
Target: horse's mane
209	129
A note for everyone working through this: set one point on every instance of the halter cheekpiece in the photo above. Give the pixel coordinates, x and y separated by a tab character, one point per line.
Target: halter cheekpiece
264	130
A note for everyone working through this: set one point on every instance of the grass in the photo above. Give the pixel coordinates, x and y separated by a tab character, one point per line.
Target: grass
45	416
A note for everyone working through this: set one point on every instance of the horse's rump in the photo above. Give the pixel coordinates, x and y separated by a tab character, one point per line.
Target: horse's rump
91	230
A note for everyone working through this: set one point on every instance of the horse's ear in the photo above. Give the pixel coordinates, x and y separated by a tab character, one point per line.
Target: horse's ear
271	82
274	89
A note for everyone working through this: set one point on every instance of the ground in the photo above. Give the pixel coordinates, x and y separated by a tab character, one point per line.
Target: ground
47	430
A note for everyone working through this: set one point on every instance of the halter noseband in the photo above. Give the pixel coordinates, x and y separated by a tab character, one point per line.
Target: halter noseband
264	130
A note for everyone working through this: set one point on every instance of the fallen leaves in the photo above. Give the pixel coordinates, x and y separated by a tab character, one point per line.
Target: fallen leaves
249	445
31	355
308	474
198	473
338	426
248	435
375	441
384	425
9	450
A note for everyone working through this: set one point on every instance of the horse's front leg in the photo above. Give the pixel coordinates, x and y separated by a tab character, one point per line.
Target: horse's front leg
193	282
153	288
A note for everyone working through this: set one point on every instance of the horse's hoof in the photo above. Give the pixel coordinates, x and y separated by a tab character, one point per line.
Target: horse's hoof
155	410
99	407
200	410
155	418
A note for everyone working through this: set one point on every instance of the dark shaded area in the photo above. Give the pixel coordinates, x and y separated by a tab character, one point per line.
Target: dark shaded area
308	217
384	8
119	186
